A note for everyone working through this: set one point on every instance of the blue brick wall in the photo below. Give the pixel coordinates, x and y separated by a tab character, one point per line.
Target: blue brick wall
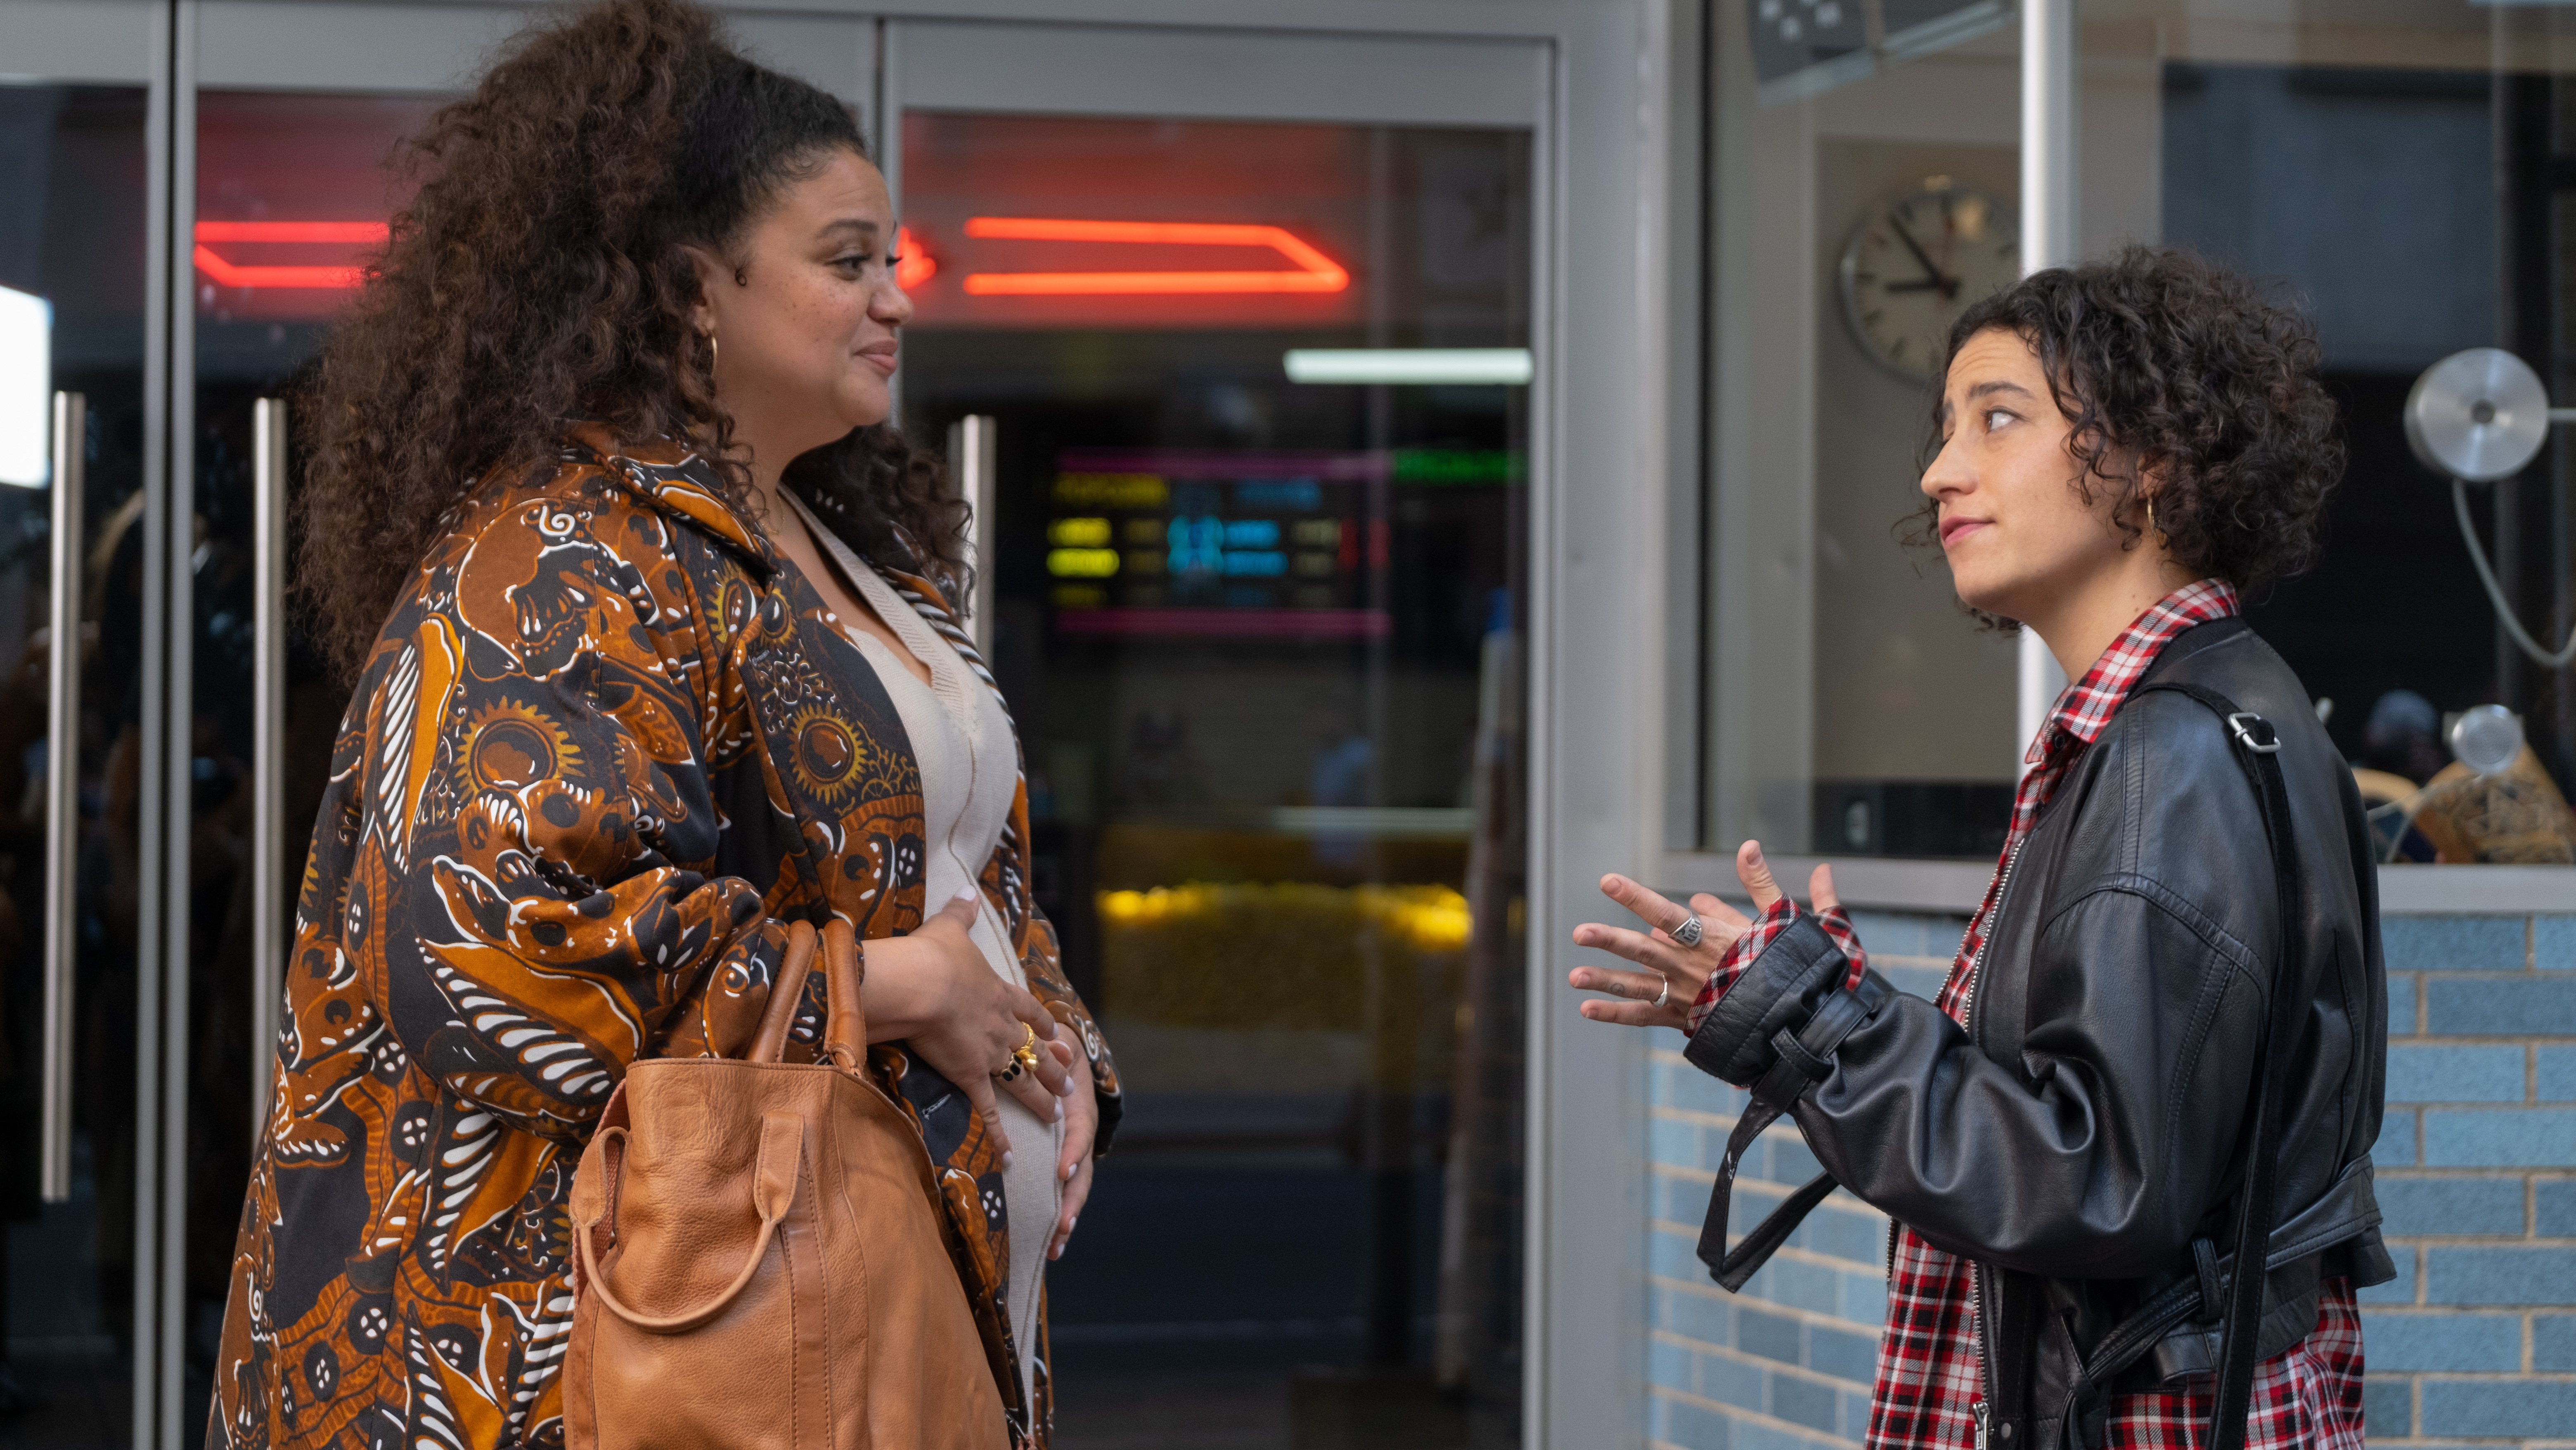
2476	1339
2473	1343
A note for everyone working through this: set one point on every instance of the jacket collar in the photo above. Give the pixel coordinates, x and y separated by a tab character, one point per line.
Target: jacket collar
675	479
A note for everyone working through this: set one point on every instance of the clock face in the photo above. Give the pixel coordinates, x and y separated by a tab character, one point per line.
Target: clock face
1911	269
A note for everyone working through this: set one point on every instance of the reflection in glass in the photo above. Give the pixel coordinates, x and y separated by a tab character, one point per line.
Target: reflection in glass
1261	639
72	234
292	196
2409	189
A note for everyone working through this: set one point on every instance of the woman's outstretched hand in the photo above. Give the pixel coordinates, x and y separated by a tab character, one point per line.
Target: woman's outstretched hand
1674	973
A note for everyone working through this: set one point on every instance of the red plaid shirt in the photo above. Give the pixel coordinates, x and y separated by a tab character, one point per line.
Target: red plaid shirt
1929	1379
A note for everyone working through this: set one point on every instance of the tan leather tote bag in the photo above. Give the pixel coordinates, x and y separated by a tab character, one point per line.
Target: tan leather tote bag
758	1261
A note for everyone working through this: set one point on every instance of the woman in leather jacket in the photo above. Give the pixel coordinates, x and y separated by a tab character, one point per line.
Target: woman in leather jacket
2167	1019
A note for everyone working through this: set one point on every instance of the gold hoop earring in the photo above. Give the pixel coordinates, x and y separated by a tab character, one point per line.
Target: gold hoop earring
2162	541
714	353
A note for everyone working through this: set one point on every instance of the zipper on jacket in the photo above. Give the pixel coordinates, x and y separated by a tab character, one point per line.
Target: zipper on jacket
1976	1272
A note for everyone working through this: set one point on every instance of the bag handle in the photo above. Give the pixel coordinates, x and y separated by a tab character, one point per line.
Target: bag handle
845	1023
782	1149
786	989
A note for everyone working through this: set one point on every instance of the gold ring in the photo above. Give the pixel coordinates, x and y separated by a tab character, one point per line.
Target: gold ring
1024	1058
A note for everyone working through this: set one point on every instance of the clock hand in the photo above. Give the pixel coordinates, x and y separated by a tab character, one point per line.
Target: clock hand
1946	284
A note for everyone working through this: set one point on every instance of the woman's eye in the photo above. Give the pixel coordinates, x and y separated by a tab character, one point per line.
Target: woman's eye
855	263
1994	413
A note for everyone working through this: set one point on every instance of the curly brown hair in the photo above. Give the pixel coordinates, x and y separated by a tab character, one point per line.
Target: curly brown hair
2175	369
537	276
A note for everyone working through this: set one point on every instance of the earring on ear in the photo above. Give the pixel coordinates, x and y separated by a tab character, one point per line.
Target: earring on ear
740	280
714	352
2161	540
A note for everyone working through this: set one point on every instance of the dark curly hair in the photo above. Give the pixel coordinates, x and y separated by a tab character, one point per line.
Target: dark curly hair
2173	367
537	275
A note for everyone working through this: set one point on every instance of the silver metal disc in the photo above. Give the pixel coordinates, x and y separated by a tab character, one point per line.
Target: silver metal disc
2478	415
2487	739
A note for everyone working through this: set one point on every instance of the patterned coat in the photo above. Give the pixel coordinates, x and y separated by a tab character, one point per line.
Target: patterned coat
607	747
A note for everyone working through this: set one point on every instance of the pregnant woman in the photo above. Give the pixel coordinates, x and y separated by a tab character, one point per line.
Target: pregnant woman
649	610
2162	1044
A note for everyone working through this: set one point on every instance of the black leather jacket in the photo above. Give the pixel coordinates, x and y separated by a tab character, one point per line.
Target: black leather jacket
2084	1129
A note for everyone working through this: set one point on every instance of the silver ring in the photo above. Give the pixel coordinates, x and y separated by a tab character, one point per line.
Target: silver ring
1688	933
1664	995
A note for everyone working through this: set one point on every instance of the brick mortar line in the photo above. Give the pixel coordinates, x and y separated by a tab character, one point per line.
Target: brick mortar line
2477	1039
1737	1355
1739	1412
1791	1311
2446	1104
1764	1362
2552	1173
2474	1241
2499	1376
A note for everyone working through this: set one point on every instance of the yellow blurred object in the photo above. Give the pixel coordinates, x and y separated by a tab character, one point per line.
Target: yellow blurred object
1284	954
1078	533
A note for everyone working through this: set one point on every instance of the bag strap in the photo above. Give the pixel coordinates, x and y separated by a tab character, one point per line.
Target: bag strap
1801	1060
2257	749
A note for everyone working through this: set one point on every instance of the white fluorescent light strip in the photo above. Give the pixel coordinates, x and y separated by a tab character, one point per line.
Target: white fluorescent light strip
26	389
1507	366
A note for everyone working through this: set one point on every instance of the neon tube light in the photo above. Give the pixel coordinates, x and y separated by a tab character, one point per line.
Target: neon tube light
228	273
1312	271
916	266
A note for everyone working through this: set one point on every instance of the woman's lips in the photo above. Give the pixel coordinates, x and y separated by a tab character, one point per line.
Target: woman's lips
1953	530
881	355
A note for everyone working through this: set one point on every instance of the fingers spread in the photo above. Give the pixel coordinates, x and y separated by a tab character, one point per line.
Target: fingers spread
1650	906
1755	873
1647	951
1626	1014
1627	986
1720	915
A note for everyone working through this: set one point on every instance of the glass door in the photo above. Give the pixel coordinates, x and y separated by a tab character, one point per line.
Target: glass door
1238	382
77	703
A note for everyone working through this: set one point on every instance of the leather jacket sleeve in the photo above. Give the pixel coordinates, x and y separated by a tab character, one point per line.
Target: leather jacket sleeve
2096	1155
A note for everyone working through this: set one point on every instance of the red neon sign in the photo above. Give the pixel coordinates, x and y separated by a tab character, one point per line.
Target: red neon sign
1312	271
235	274
913	265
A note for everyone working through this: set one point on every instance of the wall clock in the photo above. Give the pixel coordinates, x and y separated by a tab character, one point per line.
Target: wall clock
1912	266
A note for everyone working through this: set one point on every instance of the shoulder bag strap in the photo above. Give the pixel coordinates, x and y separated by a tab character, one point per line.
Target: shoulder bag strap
2257	746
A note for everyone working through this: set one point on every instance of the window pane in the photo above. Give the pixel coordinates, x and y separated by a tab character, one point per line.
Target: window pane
2409	191
1260	637
1864	195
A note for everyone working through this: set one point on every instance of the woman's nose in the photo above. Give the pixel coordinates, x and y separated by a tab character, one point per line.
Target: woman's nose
1949	474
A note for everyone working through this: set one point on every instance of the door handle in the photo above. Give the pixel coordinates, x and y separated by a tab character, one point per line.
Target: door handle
268	750
62	789
972	442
